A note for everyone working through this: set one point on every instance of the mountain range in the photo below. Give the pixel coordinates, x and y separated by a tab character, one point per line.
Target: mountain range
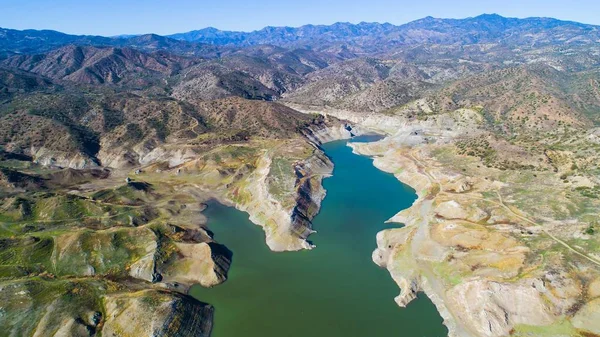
366	67
487	117
486	28
480	29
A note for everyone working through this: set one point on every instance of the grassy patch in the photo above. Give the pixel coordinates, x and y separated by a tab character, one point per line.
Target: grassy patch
281	180
558	329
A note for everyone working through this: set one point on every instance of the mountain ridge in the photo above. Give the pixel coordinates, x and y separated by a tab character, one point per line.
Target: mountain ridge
424	30
258	36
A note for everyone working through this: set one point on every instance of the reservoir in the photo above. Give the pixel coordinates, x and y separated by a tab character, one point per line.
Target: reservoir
334	290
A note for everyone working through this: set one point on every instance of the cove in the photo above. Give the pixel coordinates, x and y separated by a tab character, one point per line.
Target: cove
330	291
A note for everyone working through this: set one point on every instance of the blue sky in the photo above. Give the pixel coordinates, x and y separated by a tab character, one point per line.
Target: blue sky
110	17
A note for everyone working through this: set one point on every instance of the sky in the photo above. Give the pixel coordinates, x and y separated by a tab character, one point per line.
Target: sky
110	17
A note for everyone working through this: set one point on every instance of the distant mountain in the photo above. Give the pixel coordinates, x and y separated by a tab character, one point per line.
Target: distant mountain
40	41
483	28
347	37
341	31
37	41
495	28
153	42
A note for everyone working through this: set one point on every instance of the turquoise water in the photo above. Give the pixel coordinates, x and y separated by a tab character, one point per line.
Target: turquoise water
332	290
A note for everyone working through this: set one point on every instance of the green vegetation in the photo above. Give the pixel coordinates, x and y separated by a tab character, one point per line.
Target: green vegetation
101	252
25	302
560	328
591	229
112	119
477	147
589	192
281	180
160	125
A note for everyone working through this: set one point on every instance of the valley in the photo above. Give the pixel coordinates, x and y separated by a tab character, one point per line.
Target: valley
289	289
216	183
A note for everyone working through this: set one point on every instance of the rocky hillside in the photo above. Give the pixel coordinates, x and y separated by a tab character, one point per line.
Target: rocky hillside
364	85
263	119
109	148
116	129
262	72
13	81
518	99
99	65
333	83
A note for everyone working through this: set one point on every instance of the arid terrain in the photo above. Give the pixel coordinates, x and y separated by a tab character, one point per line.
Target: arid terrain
109	148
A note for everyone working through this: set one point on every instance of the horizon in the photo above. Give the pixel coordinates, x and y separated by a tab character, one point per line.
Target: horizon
300	26
113	18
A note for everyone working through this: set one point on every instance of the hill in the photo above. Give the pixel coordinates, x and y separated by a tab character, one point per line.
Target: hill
13	81
99	65
263	119
524	98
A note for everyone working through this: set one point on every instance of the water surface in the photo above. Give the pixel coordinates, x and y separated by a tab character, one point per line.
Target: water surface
333	290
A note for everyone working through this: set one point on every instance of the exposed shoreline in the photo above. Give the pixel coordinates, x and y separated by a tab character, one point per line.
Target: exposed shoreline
410	288
385	126
462	245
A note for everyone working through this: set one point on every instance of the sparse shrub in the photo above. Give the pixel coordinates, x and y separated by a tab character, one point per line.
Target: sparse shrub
590	230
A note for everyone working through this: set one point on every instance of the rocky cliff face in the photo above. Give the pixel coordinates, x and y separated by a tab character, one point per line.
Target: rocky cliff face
319	134
284	200
47	157
310	192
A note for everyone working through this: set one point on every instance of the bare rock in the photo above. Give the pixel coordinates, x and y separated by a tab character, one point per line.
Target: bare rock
492	309
588	317
594	288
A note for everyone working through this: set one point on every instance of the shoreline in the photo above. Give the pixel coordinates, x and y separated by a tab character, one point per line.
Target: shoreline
423	283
